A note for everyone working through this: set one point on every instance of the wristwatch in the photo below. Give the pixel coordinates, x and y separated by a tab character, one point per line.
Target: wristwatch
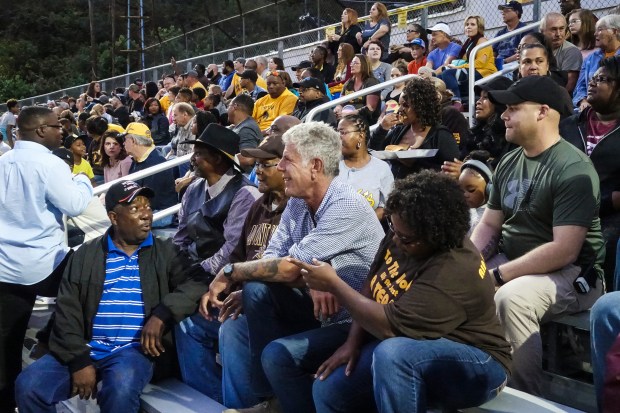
228	270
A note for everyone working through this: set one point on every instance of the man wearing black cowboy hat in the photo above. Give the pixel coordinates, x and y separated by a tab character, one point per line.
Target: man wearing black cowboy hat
211	219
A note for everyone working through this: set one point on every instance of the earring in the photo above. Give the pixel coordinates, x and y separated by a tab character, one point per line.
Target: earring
359	145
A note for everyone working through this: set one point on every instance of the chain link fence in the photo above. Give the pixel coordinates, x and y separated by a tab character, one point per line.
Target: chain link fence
306	16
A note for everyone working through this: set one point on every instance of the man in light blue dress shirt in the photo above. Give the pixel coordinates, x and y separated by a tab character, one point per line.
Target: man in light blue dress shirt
36	189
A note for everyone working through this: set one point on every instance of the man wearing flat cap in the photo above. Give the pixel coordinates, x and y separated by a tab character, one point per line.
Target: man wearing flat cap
210	223
540	234
119	294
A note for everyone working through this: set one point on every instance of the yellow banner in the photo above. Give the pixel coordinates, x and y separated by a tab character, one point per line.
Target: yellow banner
330	31
402	19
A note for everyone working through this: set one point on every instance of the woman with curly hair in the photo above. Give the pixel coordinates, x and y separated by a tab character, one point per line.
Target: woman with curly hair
424	330
416	125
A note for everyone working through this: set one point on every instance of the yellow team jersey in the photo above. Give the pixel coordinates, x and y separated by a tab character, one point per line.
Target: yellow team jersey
266	109
85	167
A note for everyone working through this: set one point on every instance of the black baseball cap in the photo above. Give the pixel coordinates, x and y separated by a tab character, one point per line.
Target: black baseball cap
538	89
514	5
311	83
125	192
304	64
69	140
249	74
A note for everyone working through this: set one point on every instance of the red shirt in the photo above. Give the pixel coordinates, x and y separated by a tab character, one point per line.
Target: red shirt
413	66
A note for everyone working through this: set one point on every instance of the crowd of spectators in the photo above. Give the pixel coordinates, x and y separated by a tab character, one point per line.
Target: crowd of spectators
384	232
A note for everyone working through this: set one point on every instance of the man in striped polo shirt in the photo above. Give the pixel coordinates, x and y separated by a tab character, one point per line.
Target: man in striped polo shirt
119	294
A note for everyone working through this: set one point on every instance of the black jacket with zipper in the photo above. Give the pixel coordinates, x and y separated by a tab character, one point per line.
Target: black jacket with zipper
167	291
605	156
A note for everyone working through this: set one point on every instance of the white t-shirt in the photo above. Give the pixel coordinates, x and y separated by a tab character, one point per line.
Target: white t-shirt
8	118
373	181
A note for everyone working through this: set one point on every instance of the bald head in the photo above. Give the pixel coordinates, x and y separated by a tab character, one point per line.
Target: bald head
283	123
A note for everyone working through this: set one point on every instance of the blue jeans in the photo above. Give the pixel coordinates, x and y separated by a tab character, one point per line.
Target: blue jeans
458	86
339	393
196	340
604	328
410	375
291	362
235	356
273	310
123	375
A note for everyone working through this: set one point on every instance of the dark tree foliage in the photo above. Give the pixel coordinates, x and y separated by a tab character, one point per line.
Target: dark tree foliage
46	45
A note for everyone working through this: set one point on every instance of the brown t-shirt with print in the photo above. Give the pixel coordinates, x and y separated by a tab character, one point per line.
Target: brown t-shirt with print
448	295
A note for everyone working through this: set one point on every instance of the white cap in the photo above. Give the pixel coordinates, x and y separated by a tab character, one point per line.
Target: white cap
440	27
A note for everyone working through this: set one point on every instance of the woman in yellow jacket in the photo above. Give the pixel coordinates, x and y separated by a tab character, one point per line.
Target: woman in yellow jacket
457	74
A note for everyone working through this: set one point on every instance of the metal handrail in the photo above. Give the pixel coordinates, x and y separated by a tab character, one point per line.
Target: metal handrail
359	93
418	6
472	63
144	173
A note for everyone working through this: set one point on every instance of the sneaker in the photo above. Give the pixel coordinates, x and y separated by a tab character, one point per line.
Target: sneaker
268	406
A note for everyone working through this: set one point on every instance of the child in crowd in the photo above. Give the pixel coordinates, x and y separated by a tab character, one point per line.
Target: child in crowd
198	95
418	50
475	181
77	146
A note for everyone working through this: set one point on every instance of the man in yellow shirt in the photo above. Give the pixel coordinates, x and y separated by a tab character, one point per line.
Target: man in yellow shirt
279	101
191	81
165	100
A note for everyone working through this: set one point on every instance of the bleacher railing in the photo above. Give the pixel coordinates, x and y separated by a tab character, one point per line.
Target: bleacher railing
472	66
292	46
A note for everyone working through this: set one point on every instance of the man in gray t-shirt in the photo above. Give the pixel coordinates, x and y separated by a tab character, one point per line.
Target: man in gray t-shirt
553	27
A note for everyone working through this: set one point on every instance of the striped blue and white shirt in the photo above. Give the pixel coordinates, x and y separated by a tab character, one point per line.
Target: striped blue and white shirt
120	316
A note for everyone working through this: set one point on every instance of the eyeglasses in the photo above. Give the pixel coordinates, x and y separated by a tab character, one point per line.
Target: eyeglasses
412	31
601	79
262	166
347	132
575	21
57	126
353	63
404	240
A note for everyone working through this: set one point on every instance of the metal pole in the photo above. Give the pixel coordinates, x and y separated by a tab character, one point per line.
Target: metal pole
424	18
536	10
318	19
128	34
142	32
362	92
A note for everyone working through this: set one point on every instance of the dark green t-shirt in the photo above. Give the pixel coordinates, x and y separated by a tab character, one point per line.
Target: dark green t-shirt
558	187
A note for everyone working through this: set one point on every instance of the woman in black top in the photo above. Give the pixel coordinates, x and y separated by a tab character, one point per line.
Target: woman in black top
348	32
416	126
